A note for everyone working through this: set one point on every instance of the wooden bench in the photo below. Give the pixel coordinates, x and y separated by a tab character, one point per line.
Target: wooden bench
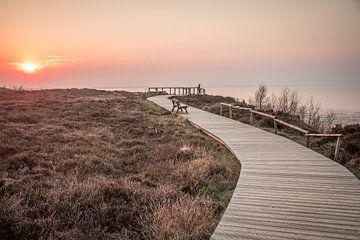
178	105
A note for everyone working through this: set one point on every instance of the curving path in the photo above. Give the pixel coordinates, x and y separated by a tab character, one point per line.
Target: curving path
285	190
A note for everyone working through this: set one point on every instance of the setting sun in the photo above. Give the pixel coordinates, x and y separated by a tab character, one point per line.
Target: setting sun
28	67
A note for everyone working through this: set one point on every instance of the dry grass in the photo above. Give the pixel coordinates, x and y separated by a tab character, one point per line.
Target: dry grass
188	218
87	164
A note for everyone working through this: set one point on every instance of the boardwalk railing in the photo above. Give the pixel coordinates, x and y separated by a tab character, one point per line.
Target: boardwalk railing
177	90
276	121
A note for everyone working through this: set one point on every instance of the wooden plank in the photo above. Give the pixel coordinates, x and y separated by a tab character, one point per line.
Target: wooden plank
285	190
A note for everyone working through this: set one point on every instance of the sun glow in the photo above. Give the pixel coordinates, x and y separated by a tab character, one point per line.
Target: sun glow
28	67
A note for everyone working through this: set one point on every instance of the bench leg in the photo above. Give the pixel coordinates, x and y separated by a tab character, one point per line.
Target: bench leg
173	109
178	110
186	111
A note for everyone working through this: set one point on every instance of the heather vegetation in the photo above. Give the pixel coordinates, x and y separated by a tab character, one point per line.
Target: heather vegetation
289	108
87	164
290	104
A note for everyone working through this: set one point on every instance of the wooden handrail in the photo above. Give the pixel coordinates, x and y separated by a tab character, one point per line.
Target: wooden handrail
178	90
292	126
324	135
234	106
337	147
169	87
305	132
242	108
268	116
263	114
226	104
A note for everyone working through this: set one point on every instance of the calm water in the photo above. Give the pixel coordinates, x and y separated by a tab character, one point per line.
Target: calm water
343	101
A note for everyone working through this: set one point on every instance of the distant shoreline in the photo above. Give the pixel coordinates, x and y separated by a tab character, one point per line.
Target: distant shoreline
349	114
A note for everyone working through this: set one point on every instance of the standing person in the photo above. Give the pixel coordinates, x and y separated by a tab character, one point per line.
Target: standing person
199	88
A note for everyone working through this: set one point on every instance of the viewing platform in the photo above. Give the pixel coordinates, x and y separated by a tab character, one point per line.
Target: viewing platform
177	90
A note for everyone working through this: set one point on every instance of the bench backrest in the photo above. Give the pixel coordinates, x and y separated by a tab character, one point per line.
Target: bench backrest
175	102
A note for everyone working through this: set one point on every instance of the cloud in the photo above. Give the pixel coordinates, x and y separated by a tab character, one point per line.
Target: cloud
47	62
54	60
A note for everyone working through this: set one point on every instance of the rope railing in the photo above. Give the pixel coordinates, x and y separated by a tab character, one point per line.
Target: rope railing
276	121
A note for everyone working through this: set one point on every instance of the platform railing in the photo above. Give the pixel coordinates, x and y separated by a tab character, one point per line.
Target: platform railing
276	121
177	90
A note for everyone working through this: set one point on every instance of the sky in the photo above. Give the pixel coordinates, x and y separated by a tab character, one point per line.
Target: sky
121	43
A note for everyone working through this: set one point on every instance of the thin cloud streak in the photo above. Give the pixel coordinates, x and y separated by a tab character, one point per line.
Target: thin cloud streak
48	62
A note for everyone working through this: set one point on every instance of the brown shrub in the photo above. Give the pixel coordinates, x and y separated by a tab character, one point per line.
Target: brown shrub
193	174
21	160
187	218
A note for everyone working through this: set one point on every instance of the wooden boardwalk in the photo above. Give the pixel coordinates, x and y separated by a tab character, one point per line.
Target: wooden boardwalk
285	190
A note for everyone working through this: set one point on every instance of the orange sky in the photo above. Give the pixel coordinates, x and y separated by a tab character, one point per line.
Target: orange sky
88	43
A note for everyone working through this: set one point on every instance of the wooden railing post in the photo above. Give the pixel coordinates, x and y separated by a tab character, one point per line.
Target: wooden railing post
251	117
337	148
230	112
221	110
275	126
307	141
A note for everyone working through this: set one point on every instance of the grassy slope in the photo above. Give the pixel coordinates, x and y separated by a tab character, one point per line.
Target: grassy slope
87	164
350	145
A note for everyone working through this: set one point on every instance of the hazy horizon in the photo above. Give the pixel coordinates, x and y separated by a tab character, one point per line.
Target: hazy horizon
152	43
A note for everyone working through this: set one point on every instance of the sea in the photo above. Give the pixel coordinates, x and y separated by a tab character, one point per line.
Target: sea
344	102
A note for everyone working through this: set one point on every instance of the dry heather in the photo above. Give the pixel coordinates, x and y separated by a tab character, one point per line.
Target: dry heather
87	164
